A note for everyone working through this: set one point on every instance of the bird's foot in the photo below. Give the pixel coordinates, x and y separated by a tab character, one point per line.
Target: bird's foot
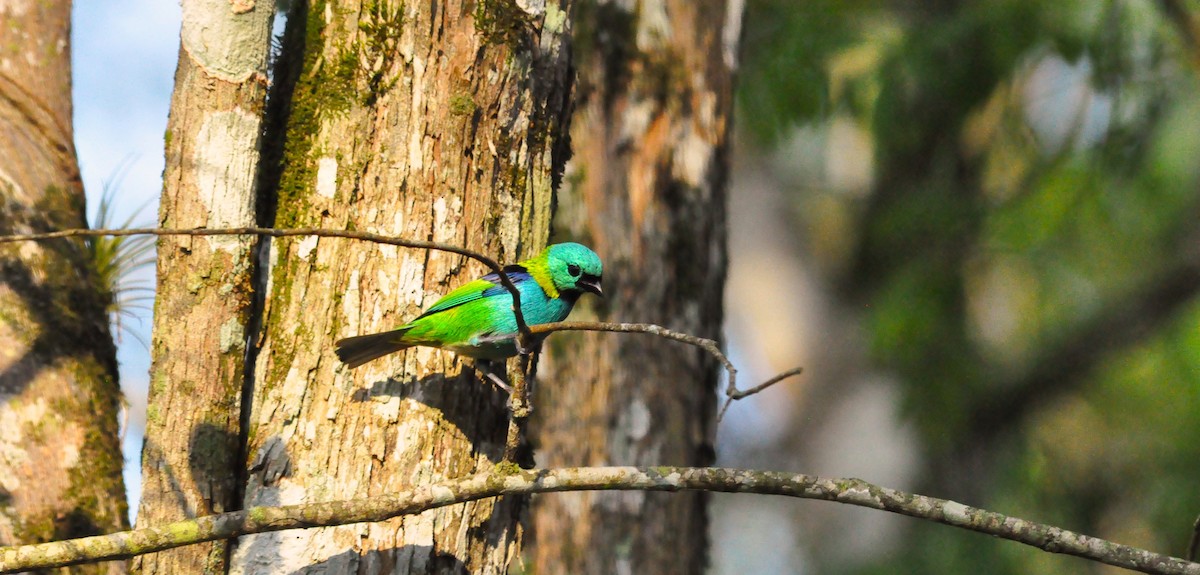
499	382
482	367
535	346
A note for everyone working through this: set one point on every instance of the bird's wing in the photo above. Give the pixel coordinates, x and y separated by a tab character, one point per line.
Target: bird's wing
486	286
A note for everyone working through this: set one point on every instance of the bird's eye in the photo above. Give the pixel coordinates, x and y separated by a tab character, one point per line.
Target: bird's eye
573	270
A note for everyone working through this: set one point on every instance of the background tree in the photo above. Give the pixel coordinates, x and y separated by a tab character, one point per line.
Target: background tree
60	468
646	188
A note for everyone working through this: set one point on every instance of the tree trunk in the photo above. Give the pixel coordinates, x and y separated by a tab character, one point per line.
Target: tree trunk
442	121
191	458
60	459
646	188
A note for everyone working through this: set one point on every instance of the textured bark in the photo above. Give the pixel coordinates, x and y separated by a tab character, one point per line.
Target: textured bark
60	462
646	188
190	459
439	121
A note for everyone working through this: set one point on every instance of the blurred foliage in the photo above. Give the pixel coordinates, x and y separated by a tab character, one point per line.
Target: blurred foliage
788	46
1028	248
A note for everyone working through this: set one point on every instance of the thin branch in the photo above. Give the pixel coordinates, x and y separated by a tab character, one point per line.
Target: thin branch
732	392
505	481
520	397
736	395
526	337
279	233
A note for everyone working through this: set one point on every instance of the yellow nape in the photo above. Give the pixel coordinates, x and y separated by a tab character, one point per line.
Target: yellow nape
539	269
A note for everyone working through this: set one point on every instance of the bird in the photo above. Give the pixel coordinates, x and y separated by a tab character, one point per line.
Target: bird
476	320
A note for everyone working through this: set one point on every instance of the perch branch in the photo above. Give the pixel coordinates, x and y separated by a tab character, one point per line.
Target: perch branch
503	481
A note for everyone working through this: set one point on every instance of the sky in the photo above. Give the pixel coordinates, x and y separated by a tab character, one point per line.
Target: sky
124	58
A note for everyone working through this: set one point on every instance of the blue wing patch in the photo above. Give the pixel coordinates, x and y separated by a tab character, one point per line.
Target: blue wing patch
486	286
515	272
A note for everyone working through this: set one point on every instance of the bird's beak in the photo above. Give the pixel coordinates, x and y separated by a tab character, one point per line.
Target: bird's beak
590	283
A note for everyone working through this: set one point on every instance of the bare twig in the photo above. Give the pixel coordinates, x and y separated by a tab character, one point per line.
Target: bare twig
732	392
506	481
280	233
734	395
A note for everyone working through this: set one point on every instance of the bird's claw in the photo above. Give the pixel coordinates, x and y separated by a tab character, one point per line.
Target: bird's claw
499	382
482	368
533	347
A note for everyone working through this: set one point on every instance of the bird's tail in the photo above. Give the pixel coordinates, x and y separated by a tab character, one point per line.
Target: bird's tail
355	351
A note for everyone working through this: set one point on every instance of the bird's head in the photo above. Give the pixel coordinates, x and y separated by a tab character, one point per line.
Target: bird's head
574	268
